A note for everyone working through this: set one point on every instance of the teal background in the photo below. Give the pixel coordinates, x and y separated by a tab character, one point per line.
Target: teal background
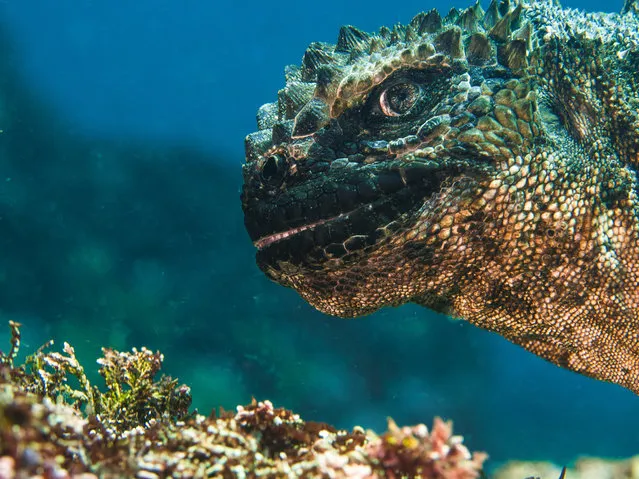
120	225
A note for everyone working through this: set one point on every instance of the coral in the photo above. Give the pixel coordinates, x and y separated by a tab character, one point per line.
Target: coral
415	452
54	423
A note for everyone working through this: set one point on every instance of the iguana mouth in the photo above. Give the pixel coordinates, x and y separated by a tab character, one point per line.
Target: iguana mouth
350	213
282	235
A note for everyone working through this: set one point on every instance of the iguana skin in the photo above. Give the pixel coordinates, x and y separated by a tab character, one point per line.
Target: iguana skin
483	165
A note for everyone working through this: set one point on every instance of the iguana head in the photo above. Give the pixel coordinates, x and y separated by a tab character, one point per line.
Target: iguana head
370	139
482	164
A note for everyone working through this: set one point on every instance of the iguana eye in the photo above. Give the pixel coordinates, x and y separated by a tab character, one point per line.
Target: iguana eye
399	99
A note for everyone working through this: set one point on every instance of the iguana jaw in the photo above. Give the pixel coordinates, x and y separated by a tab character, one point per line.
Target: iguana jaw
354	211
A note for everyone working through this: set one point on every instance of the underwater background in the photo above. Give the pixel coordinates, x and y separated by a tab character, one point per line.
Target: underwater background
121	144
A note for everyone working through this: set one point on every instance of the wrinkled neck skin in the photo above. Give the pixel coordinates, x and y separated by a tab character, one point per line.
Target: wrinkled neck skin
483	164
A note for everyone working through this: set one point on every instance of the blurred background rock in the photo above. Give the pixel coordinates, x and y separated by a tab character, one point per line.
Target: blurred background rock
120	225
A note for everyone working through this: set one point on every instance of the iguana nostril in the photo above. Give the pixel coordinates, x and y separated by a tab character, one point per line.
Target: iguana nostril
273	170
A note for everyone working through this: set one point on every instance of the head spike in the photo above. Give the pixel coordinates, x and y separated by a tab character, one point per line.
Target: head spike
410	35
316	55
469	18
267	116
256	143
479	12
351	38
384	32
292	73
502	29
377	44
398	34
431	22
515	15
513	55
492	15
450	42
312	117
452	17
327	76
525	34
282	131
295	95
417	20
479	50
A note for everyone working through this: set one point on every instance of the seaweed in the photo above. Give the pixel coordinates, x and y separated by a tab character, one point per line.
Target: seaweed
55	423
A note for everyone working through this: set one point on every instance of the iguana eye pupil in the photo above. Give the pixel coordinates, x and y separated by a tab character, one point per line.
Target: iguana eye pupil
399	99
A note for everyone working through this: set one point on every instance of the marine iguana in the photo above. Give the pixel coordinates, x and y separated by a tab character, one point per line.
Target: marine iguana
483	164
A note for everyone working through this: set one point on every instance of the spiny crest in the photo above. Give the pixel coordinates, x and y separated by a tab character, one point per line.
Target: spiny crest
294	96
449	42
338	75
480	49
430	22
318	55
492	15
452	16
513	54
351	39
470	19
505	26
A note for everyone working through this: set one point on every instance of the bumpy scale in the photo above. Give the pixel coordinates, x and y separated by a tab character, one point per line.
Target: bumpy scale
483	164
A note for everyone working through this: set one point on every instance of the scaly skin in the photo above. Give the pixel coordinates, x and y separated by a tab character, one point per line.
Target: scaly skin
483	165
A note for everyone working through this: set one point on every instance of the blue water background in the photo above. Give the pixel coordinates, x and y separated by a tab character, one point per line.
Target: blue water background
135	237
